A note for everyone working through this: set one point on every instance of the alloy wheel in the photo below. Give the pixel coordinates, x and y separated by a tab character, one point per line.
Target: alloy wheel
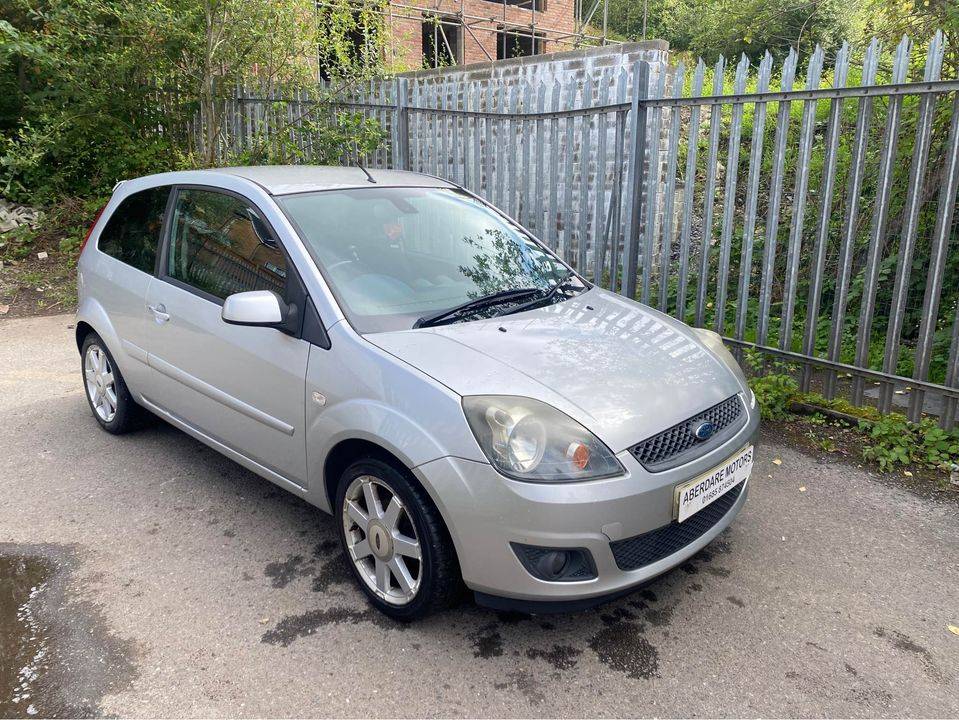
382	540
100	382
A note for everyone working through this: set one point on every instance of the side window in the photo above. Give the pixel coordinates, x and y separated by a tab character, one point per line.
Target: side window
132	233
220	244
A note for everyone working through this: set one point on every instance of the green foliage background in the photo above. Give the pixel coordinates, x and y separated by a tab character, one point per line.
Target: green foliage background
709	28
80	82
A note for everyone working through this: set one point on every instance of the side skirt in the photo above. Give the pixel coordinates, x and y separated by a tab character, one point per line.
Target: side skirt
226	450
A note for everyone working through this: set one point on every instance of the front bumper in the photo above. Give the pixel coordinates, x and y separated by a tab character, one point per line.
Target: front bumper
486	511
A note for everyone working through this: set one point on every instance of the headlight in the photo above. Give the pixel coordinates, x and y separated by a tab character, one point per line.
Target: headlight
529	440
714	342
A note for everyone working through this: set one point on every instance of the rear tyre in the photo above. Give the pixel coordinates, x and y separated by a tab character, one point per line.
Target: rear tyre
106	391
395	541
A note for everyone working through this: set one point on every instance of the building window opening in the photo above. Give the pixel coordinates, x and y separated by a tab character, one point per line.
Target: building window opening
540	5
442	42
512	43
361	49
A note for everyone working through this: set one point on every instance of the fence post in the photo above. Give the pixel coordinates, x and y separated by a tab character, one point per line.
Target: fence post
637	175
401	126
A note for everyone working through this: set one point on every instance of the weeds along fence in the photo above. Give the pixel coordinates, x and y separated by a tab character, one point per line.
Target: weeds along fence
808	216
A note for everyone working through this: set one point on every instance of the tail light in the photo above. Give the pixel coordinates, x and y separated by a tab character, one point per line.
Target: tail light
92	225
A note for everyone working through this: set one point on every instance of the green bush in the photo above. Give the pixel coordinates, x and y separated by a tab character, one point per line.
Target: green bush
77	157
96	91
331	138
16	244
894	440
774	393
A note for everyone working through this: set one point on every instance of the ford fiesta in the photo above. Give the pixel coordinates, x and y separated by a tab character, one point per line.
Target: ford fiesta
400	354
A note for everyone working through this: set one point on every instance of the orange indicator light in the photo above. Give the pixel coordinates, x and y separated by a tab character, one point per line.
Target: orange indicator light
578	454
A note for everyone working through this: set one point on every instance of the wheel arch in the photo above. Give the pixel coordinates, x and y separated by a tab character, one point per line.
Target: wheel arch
92	318
83	329
347	451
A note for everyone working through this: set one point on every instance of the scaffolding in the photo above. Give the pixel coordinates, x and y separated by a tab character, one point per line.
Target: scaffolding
590	22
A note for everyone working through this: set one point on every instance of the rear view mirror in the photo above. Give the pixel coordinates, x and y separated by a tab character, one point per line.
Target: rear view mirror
261	308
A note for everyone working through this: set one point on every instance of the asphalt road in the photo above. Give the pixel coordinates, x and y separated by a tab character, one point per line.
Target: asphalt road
179	584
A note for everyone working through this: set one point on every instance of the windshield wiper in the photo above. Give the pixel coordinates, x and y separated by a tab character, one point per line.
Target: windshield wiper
480	303
546	297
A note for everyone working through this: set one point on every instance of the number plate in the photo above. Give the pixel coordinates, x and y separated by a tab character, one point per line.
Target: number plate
693	496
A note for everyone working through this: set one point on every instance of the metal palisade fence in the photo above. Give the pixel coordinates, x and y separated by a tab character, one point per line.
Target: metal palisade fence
810	217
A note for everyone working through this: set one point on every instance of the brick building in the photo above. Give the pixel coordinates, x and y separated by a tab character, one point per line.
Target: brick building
436	33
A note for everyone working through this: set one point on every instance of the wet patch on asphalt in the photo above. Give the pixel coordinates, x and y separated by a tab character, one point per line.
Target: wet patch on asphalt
616	615
624	648
283	572
511	617
825	685
330	575
326	565
655	616
293	627
561	657
57	658
621	643
334	571
904	643
24	644
487	642
524	682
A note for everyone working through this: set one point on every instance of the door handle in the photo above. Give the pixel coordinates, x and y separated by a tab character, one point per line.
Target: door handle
159	313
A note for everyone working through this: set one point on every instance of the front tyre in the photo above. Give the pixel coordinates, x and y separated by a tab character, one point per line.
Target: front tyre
395	541
107	394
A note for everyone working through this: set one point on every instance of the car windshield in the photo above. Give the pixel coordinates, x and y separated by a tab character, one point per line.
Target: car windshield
394	255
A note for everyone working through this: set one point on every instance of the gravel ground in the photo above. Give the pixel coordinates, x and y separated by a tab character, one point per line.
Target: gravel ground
179	584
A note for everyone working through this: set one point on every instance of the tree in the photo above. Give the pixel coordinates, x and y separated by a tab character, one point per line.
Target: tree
709	28
78	116
889	20
98	90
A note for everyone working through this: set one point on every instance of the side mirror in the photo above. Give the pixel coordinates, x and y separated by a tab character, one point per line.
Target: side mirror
262	308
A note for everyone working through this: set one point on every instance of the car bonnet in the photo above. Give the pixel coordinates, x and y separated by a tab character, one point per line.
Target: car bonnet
621	369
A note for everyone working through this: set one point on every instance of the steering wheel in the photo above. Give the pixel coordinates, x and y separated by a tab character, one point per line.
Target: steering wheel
338	264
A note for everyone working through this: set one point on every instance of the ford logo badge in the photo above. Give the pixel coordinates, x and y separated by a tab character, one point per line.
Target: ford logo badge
704	430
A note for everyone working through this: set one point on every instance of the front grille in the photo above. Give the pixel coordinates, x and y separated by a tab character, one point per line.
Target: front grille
636	552
678	444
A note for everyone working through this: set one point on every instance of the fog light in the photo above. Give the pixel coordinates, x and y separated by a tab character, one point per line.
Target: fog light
556	564
550	564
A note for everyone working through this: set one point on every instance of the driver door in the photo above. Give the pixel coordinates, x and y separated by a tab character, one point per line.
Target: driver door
241	387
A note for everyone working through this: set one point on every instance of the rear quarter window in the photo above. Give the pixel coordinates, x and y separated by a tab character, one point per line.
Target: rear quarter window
132	233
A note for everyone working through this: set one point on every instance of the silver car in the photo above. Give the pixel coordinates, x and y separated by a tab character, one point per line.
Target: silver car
400	354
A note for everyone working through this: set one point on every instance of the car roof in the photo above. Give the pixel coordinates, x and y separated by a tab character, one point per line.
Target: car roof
288	179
